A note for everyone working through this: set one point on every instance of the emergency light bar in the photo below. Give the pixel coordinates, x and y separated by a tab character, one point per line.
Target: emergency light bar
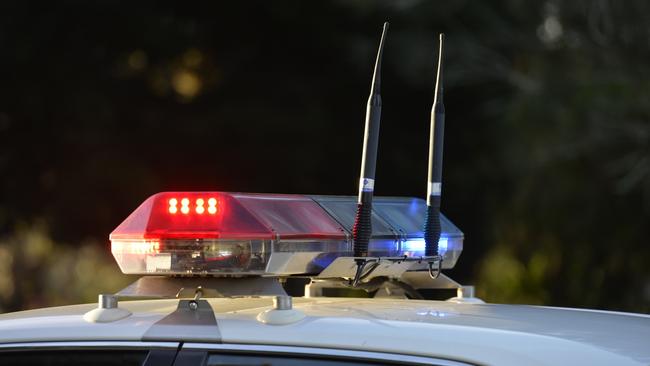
221	233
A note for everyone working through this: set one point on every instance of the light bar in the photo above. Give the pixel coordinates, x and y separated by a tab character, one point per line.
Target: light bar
220	233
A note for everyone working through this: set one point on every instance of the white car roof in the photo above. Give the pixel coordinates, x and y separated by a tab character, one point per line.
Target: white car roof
474	333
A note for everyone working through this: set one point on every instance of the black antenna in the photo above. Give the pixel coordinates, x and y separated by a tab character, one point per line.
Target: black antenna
362	230
432	228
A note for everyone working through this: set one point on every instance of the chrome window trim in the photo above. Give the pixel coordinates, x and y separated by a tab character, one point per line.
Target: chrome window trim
326	352
89	345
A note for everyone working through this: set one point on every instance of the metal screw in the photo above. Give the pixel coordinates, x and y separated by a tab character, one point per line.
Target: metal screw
282	302
107	301
193	305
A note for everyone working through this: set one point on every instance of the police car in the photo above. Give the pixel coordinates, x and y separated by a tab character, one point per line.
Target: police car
214	267
212	295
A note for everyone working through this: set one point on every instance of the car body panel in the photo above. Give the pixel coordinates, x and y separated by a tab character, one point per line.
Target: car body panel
474	333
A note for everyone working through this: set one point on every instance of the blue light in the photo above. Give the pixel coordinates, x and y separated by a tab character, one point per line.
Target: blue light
418	245
442	245
413	207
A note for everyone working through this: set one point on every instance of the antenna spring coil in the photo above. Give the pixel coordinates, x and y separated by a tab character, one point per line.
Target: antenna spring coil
362	229
432	230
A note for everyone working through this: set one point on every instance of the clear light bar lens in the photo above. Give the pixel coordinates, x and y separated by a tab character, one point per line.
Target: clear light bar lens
219	233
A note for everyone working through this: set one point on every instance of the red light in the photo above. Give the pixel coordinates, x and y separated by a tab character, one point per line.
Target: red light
199	206
232	227
212	206
152	220
172	206
185	206
227	216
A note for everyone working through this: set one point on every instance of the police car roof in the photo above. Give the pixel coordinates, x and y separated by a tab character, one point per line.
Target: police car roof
475	333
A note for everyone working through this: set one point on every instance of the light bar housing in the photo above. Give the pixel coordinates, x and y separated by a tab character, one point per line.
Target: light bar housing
224	234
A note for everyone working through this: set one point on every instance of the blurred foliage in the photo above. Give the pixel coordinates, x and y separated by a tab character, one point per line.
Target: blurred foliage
34	271
574	227
547	155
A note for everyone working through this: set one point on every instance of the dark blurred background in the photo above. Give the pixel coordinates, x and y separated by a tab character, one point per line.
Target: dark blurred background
547	151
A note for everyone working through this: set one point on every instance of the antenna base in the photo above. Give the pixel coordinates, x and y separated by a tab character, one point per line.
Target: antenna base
367	265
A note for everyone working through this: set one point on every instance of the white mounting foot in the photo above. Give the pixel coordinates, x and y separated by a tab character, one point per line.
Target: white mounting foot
107	311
